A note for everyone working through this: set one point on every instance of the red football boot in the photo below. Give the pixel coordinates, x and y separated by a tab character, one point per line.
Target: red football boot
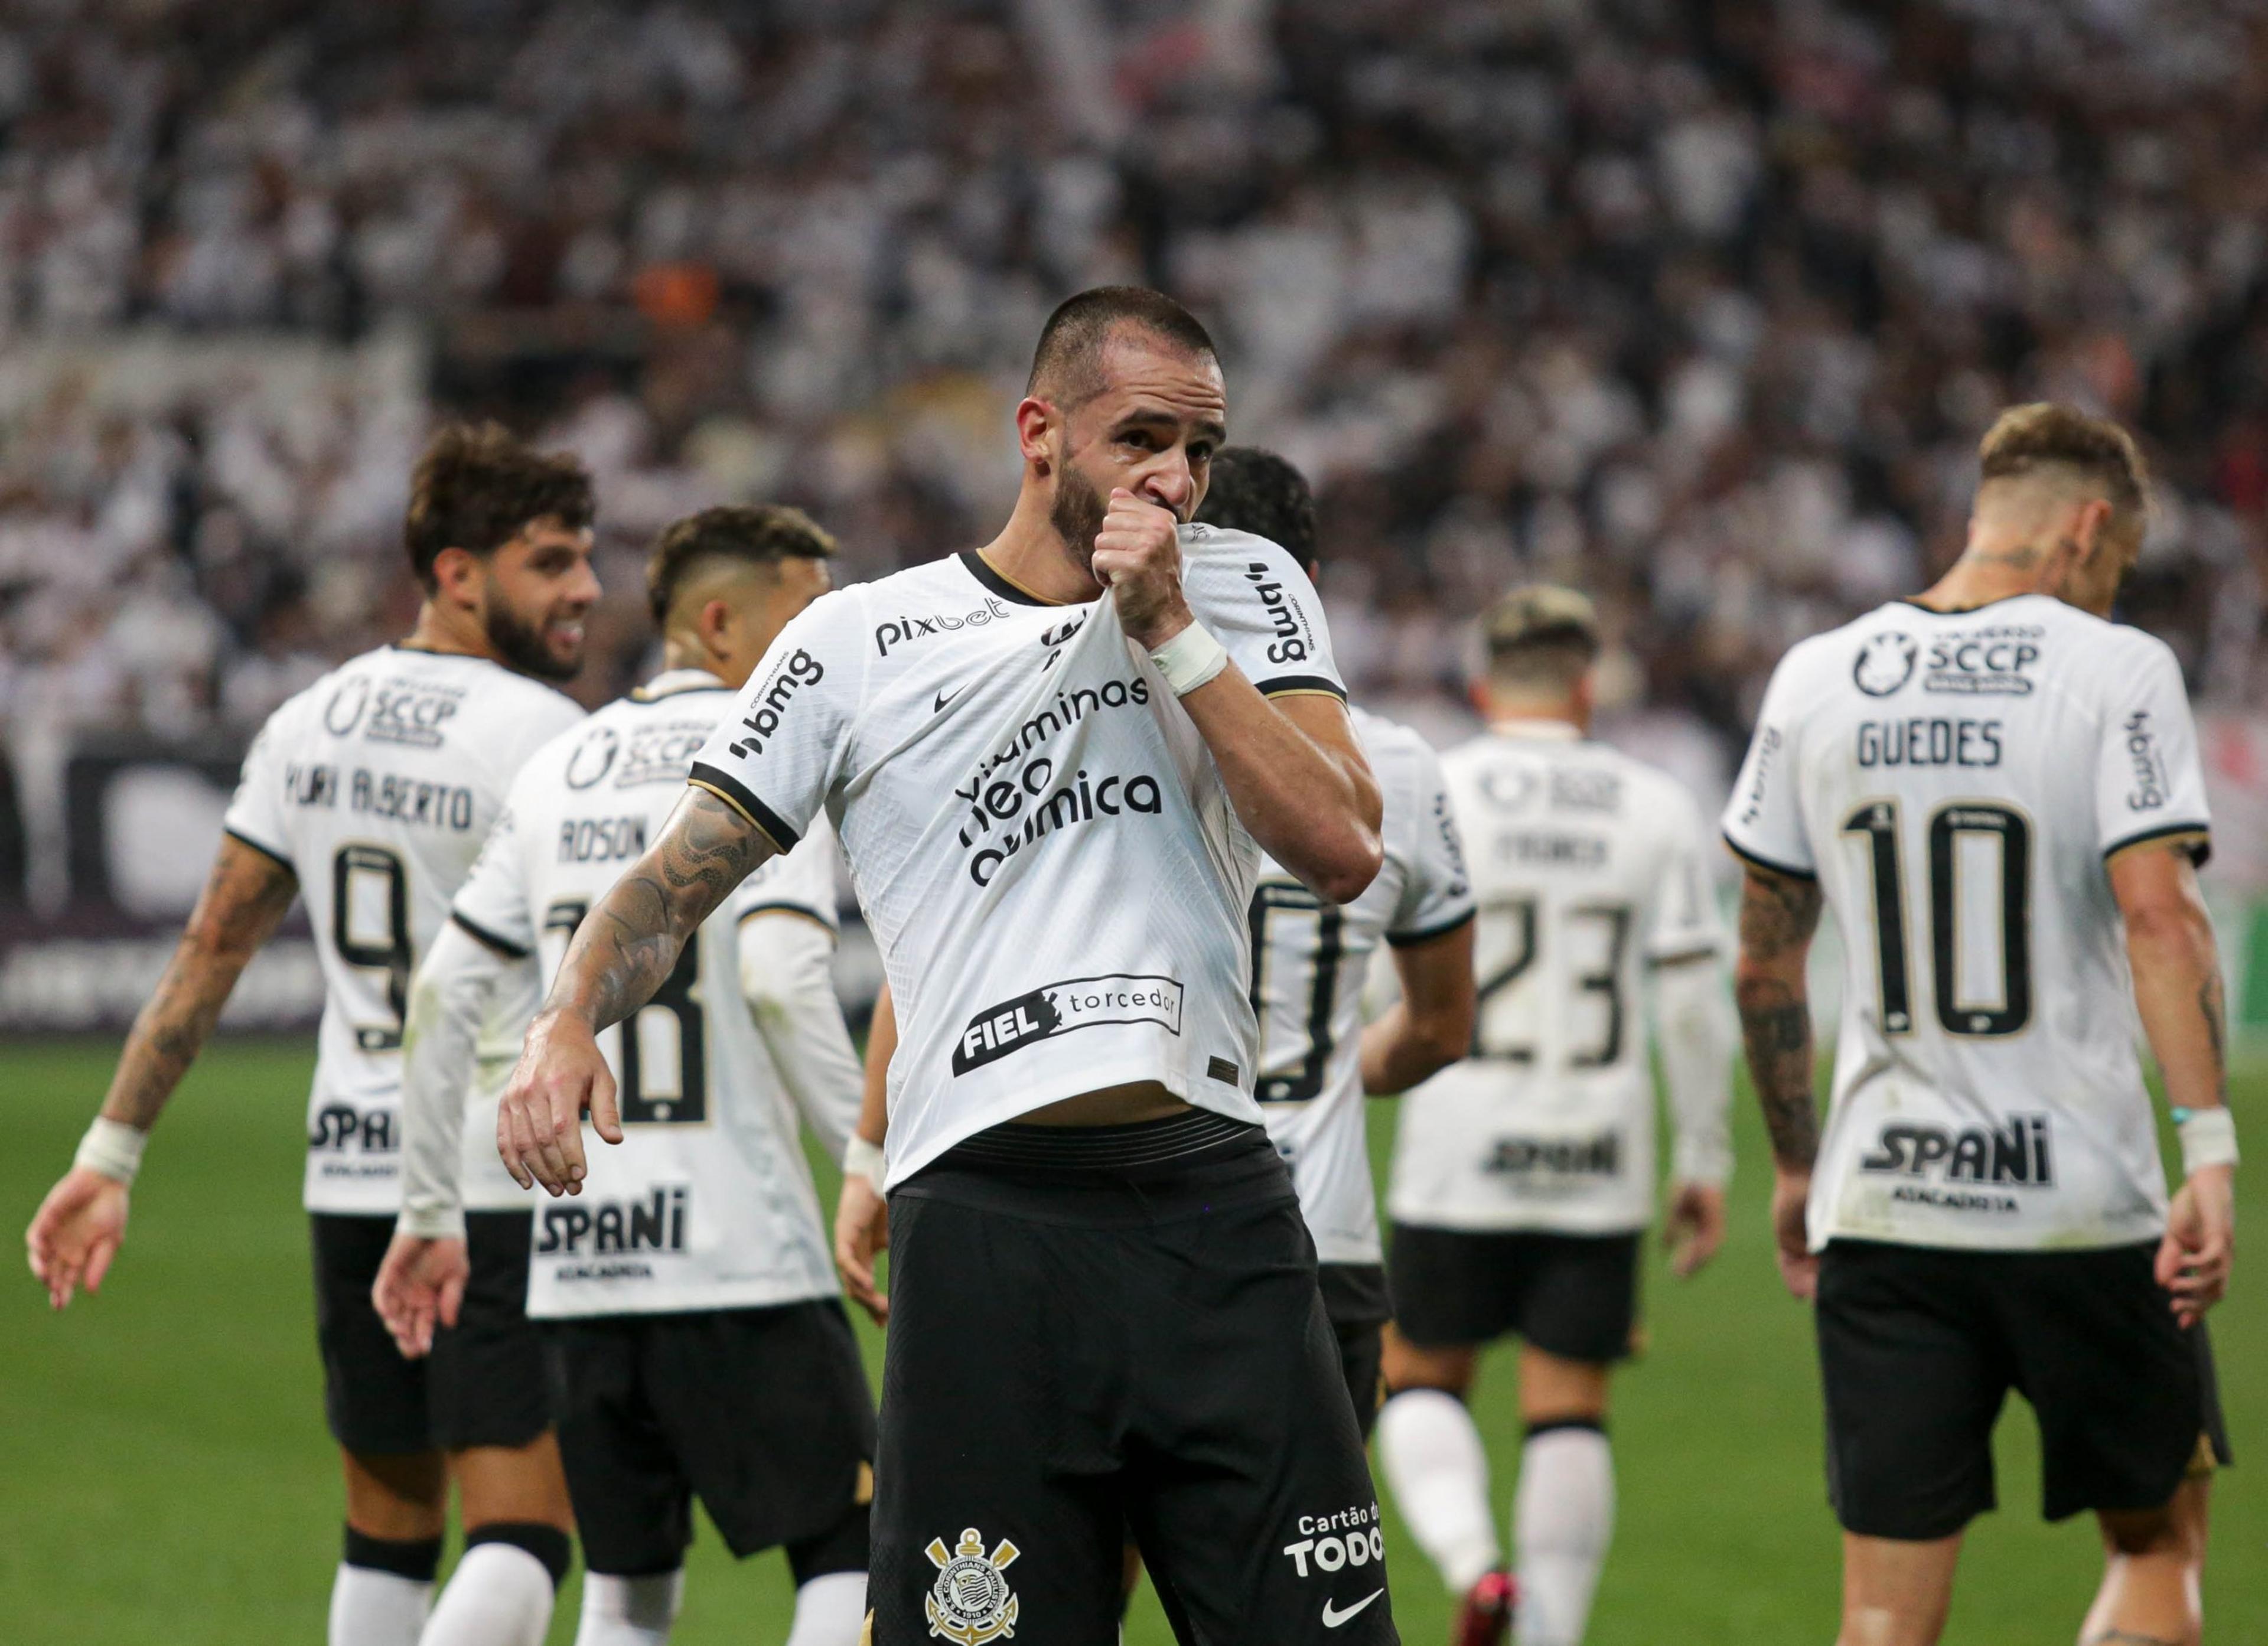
1485	1617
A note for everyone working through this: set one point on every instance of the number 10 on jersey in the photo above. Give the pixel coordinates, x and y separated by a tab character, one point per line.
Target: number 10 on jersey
1979	869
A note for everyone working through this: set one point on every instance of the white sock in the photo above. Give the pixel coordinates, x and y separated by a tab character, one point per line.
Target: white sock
629	1611
370	1607
500	1595
1439	1470
1563	1519
829	1610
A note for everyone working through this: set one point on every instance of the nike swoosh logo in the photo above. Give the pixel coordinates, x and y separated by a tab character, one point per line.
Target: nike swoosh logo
1333	1617
943	698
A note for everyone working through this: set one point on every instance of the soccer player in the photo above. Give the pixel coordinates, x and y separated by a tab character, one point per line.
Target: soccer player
1054	762
693	1308
1523	1178
371	791
1997	791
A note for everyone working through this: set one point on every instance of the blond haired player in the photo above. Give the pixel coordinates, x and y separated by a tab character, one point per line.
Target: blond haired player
1996	790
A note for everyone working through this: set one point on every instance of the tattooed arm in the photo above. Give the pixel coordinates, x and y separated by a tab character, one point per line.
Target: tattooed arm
1778	914
622	952
2177	991
78	1227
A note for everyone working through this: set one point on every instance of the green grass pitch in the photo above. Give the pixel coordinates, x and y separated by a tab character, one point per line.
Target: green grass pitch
164	1474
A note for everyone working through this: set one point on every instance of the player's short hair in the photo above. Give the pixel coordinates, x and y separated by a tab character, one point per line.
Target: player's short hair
1257	491
1541	636
753	534
2046	435
1067	365
476	487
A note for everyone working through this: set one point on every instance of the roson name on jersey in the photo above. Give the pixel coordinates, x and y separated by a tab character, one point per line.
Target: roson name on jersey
763	719
1055	1009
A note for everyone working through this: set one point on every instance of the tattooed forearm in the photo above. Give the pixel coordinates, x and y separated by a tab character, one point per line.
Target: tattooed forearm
244	899
1776	1027
1778	914
625	949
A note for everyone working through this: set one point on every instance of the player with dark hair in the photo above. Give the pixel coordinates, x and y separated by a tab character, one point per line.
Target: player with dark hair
1054	763
1998	792
702	1349
371	791
1524	1177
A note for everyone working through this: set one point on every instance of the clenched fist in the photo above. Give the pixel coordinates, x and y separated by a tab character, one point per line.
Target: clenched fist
1137	555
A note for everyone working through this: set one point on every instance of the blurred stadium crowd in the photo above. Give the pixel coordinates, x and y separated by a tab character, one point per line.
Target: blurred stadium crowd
1702	305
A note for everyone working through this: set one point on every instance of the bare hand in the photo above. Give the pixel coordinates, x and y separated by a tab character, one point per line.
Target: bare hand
1798	1265
539	1119
1695	1227
75	1232
1137	556
2200	1243
422	1280
862	1228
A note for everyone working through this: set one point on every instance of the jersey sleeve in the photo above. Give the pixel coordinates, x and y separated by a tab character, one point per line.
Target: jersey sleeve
802	883
777	753
2149	782
1437	893
1259	604
1683	923
1764	820
492	903
255	811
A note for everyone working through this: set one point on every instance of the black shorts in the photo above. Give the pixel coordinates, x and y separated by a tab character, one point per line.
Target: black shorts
1113	1329
1573	1296
487	1381
1919	1346
1354	1302
764	1415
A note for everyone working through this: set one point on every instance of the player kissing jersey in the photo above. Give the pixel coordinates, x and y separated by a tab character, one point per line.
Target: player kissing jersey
996	764
1309	960
1955	780
708	1202
1584	863
376	785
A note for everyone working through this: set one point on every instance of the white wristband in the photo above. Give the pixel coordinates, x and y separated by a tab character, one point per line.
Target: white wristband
861	1158
1190	659
113	1149
2208	1138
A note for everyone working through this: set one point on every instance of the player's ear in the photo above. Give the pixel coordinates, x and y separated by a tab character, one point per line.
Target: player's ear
715	625
1038	431
460	576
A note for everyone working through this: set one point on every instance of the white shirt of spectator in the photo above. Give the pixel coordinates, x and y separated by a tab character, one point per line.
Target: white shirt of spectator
1584	862
377	785
1309	962
1037	834
1955	782
708	1201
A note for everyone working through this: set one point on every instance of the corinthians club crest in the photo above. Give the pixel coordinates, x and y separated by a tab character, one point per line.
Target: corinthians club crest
1885	663
970	1602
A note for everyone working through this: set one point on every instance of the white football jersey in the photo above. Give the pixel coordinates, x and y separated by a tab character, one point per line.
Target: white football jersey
1309	959
376	785
1584	862
707	1202
1955	780
1037	834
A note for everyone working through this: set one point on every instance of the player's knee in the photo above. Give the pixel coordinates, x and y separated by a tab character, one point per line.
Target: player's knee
2137	1532
1406	1366
397	1494
551	1547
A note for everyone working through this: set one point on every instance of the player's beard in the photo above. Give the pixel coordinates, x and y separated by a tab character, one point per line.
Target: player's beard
1077	516
521	646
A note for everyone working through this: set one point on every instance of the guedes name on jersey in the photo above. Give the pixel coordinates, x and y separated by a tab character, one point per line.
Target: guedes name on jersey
1922	741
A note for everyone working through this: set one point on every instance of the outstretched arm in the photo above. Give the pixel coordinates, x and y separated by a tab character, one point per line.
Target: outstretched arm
1779	914
622	952
2177	991
77	1230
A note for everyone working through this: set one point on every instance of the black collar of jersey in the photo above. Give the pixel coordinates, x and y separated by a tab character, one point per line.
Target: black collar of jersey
1963	611
981	569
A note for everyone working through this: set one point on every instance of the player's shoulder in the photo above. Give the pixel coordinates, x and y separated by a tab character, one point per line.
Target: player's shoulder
1219	561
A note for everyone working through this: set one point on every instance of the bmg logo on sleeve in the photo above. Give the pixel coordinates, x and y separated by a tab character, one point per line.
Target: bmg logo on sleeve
763	719
1054	1008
